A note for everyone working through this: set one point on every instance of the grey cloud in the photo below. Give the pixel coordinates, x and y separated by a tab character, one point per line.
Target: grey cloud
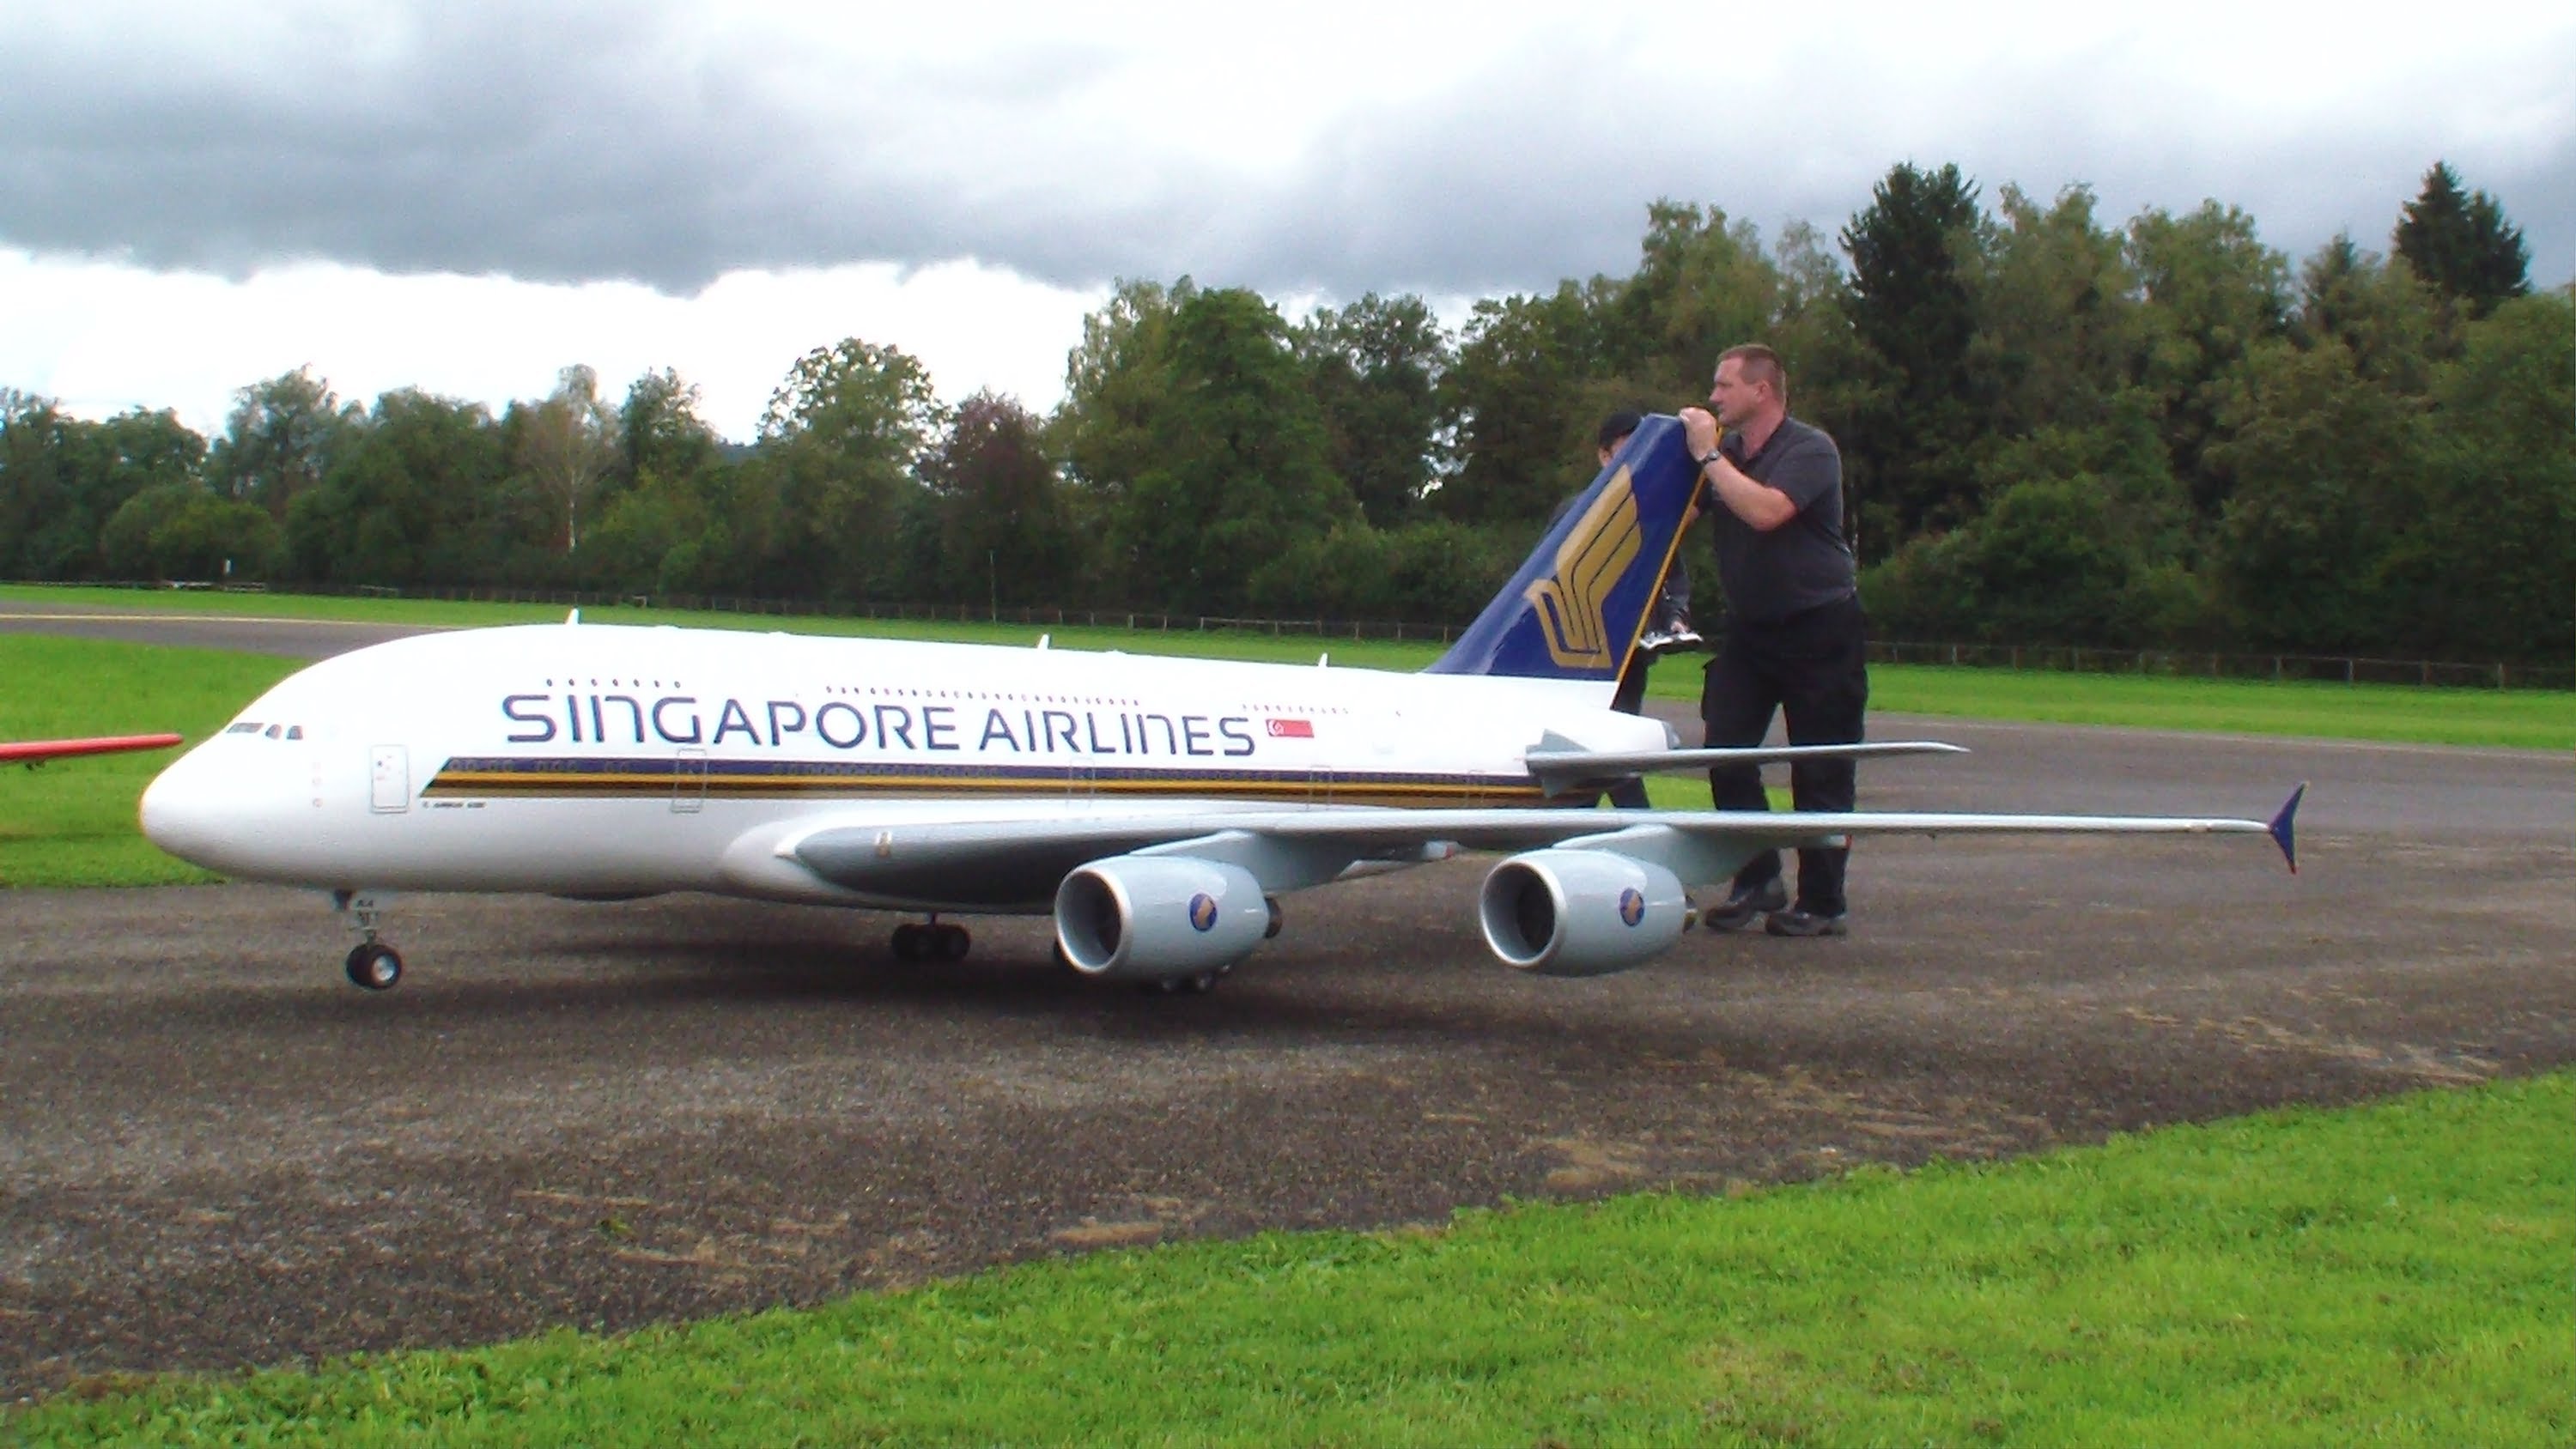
579	149
602	143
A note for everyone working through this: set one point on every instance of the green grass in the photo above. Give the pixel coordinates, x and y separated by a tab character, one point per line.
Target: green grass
2530	719
2391	1275
72	822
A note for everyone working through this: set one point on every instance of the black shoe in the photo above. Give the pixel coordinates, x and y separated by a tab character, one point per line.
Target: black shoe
1743	907
1804	922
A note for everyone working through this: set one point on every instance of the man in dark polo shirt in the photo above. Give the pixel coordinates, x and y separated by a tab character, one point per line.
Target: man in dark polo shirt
1794	641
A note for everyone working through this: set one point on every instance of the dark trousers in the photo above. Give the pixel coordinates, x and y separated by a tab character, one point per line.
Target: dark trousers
1814	668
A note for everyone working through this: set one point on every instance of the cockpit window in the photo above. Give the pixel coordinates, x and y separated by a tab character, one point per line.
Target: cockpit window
246	727
274	731
295	732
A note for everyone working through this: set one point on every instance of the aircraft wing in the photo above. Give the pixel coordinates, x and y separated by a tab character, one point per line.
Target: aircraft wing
36	752
1019	860
1560	770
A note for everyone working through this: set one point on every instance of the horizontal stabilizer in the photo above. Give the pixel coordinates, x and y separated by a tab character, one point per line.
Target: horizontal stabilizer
2284	827
1560	770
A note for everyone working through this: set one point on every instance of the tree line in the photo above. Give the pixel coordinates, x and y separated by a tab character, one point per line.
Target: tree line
2054	429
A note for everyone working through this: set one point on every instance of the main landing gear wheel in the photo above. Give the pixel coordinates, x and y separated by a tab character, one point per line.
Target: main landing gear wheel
1198	985
935	941
375	966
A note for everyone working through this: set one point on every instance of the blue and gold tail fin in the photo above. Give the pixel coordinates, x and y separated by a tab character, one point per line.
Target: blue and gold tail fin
1579	602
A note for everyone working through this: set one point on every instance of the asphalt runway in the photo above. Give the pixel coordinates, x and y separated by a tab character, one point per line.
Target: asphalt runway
215	1153
221	629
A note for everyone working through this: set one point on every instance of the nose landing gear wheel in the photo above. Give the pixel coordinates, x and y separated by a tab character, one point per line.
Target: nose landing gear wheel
374	966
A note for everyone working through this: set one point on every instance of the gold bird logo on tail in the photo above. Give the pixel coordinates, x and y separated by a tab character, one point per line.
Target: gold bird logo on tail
1589	564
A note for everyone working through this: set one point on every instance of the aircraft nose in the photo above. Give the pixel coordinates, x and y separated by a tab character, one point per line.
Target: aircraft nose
181	808
171	809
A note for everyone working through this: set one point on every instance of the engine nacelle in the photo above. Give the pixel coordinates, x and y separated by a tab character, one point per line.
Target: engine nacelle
1578	912
1158	917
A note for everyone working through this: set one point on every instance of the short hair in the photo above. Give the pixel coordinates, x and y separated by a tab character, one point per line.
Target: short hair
1761	364
1616	427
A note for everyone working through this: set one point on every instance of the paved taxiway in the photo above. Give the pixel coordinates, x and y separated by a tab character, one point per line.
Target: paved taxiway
215	629
214	1152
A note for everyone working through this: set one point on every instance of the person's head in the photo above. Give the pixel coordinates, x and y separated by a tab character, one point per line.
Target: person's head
1751	385
1614	431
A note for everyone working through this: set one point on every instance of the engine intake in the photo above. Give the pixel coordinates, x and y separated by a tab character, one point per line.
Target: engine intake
1578	912
1158	917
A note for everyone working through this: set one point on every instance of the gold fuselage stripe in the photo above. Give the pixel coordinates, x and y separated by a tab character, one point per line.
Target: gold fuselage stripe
740	784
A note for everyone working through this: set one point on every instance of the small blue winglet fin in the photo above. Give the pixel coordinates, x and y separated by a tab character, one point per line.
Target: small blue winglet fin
2284	833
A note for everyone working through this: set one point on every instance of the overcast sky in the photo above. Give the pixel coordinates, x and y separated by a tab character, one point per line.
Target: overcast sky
469	196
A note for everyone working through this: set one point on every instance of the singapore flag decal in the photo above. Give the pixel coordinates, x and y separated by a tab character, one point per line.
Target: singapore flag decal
1291	729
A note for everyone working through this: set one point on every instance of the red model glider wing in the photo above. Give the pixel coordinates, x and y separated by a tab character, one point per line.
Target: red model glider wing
29	752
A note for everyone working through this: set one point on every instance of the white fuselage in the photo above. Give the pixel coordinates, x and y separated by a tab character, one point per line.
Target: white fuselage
602	760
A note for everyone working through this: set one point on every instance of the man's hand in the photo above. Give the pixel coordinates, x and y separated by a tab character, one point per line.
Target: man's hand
1699	430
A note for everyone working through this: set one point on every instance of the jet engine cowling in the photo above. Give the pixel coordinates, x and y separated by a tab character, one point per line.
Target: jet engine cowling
1158	917
1579	912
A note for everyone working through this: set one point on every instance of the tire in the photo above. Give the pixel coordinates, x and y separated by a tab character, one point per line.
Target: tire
374	967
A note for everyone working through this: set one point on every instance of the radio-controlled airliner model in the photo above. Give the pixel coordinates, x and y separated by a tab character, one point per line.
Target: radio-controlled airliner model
1157	808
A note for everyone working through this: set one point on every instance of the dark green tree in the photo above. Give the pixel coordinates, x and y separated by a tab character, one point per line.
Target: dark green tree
2059	335
1004	532
1912	251
184	530
2485	566
842	444
62	478
417	495
43	535
1517	405
662	536
2213	293
1115	382
659	432
1701	285
2321	458
1240	466
281	439
1376	366
2462	245
2394	325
